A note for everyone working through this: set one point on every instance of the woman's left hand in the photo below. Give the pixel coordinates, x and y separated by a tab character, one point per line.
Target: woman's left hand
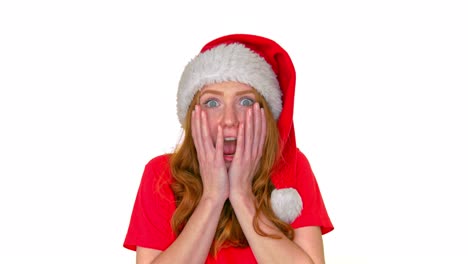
250	140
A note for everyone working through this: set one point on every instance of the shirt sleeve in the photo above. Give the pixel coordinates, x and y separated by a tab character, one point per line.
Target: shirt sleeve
151	216
314	212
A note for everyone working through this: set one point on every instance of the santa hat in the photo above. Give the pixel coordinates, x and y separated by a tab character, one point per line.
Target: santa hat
264	65
228	62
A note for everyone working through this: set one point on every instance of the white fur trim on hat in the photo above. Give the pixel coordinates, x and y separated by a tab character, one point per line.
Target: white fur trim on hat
286	204
232	62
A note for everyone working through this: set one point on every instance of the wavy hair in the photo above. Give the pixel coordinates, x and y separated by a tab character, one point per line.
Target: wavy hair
187	186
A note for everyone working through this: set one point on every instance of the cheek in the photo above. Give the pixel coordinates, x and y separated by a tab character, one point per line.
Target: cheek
241	113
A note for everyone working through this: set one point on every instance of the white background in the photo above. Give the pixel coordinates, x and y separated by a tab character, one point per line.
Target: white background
88	97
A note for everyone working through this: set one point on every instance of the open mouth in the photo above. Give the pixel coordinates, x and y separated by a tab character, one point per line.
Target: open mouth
229	147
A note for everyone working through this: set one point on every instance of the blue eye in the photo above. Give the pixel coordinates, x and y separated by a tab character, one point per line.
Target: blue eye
210	103
246	102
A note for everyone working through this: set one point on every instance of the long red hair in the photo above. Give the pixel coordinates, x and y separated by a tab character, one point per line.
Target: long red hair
187	186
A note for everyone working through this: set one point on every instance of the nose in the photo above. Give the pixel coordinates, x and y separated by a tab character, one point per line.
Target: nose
230	117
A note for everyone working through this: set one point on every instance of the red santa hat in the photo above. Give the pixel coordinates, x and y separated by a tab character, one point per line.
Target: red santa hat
264	65
228	62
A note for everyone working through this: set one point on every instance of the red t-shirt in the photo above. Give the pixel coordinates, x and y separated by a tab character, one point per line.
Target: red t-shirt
154	205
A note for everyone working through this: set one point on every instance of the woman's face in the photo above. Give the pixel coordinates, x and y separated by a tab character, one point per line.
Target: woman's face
226	104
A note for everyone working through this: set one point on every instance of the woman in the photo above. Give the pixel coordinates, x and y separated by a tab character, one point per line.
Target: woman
237	189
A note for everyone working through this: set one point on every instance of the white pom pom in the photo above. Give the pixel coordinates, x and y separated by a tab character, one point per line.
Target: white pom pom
286	203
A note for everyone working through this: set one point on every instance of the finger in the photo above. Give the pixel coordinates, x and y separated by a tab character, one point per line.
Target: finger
262	132
240	141
196	133
248	135
219	148
205	132
257	128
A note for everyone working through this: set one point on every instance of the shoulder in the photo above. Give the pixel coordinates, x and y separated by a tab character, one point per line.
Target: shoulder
304	172
301	157
159	165
157	178
159	161
302	163
158	171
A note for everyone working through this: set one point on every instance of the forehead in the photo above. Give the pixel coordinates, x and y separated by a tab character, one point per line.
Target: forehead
226	87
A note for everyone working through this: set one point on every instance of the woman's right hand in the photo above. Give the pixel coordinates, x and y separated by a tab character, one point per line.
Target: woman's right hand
210	158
